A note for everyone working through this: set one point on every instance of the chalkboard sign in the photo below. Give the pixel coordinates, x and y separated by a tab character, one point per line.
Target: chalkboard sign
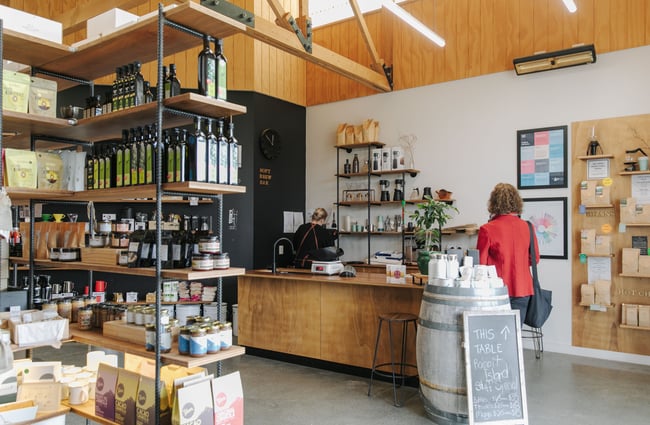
496	388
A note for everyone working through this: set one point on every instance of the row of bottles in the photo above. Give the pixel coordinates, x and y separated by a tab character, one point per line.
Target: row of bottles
129	87
211	158
212	69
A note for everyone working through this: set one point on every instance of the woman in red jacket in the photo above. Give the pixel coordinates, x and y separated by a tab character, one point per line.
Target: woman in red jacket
505	242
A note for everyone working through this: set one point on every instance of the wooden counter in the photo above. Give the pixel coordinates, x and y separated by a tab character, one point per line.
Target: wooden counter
323	317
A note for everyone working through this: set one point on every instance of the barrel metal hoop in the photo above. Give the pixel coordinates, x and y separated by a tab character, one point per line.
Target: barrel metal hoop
441	417
437	387
463	301
449	327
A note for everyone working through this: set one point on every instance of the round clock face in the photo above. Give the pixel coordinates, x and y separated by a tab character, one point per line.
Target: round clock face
270	143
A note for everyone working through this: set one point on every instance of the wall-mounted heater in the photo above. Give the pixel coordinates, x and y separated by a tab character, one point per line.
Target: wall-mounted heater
579	55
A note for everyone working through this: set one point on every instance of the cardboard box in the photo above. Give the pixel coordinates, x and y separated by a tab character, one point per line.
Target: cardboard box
105	391
627	207
644	316
588	192
630	260
588	241
42	97
108	22
31	329
603	245
15	91
126	392
395	273
228	400
644	265
632	315
33	25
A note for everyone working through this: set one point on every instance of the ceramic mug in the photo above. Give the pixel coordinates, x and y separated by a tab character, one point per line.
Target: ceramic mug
78	393
65	389
92	383
643	163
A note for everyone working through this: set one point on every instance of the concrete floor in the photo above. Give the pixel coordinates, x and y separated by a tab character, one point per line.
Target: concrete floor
561	389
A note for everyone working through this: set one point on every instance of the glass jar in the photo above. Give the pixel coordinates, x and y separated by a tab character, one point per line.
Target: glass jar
164	316
77	303
139	316
90	301
130	314
119	240
85	318
50	306
221	261
65	309
214	342
149	315
166	339
225	335
184	340
150	337
202	262
198	342
209	245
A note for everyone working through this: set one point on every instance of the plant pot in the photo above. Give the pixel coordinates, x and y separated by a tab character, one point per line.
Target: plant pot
423	261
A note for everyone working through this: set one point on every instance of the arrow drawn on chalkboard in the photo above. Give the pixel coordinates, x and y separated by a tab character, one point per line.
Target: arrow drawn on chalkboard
505	332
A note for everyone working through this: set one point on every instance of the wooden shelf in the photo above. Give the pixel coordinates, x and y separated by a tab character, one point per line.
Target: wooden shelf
97	58
413	172
24	194
633	173
32	51
98	340
636	224
588	157
87	410
360	146
181	274
589	206
634	275
639	328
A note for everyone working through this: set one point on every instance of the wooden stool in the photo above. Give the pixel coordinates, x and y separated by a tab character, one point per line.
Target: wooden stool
399	318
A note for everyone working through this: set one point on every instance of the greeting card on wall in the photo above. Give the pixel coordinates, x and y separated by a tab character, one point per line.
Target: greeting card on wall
549	219
542	158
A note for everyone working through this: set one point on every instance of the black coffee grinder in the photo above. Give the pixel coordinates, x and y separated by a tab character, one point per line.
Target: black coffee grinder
398	194
385	194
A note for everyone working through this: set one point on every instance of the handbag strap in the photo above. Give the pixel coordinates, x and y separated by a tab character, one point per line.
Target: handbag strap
533	258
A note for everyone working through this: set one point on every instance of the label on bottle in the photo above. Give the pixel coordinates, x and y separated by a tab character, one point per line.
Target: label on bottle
134	165
234	164
108	176
213	162
95	174
177	164
170	164
126	171
221	79
224	163
200	160
149	164
102	174
211	78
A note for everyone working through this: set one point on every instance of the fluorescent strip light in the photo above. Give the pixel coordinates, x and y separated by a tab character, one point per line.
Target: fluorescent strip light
570	5
414	22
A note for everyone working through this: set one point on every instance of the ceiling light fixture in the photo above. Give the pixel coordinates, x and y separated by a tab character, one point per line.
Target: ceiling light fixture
414	22
579	55
570	5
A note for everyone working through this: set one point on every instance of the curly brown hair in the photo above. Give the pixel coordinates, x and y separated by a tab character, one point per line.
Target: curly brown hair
505	199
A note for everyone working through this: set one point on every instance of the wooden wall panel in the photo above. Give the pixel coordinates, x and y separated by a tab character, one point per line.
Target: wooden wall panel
483	37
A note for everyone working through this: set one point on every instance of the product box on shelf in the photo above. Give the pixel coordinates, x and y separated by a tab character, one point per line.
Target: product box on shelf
105	391
630	260
593	192
228	400
145	405
108	22
15	91
49	170
193	403
33	25
588	241
603	245
633	213
644	265
126	392
42	97
31	328
644	316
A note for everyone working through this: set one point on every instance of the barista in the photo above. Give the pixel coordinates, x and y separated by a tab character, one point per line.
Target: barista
312	237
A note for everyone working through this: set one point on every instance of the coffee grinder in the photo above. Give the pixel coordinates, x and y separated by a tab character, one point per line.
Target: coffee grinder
385	194
398	194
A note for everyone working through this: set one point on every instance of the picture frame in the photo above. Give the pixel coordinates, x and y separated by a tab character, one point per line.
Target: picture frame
549	218
542	158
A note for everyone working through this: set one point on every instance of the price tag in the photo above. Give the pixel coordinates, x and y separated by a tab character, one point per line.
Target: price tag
622	227
194	201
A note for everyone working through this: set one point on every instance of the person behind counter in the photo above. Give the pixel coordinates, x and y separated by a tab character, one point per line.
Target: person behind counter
311	238
504	241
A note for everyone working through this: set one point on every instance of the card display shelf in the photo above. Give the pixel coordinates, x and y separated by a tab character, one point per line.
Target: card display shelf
87	410
634	275
96	339
638	328
588	157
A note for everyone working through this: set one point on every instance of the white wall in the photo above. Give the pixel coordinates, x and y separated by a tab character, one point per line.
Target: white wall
466	143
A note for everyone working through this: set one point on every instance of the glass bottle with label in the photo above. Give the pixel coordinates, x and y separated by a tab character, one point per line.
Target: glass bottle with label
129	93
213	155
233	149
126	159
119	167
170	158
223	156
172	84
207	69
148	95
108	167
221	71
181	157
116	82
95	168
142	155
198	148
355	163
133	145
138	84
149	155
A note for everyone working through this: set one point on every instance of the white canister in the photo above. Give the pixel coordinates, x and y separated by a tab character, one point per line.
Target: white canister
437	267
452	266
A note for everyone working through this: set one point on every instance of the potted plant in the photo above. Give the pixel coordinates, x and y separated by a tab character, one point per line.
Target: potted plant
430	216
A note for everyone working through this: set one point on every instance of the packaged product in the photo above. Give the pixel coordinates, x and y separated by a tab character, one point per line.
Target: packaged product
20	168
50	170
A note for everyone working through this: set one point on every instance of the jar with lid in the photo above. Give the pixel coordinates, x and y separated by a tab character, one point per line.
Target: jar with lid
65	309
149	315
50	307
221	261
85	318
150	337
90	301
202	262
119	240
130	314
184	340
209	244
77	303
225	335
198	342
214	342
166	339
139	316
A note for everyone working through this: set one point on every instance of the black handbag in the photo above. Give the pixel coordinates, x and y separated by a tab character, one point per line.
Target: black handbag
540	303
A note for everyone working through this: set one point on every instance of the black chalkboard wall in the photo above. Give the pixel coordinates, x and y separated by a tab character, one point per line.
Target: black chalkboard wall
496	388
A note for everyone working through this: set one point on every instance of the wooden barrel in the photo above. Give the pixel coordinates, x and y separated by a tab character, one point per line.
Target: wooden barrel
439	349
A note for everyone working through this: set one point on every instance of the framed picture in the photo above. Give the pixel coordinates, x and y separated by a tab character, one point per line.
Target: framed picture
542	158
549	218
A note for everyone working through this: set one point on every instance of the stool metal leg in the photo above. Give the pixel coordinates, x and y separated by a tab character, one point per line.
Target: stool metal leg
392	361
374	357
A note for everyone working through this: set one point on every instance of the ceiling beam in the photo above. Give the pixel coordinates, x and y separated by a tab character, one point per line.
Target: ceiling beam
282	16
377	62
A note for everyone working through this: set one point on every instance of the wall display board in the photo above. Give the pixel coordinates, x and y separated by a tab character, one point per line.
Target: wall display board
610	215
496	387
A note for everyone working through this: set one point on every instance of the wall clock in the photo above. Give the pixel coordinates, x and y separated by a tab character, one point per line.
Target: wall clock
270	143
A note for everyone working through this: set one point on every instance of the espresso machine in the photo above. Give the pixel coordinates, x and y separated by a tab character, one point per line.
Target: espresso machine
398	194
385	193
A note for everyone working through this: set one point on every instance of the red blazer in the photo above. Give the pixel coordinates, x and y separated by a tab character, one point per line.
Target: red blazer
505	242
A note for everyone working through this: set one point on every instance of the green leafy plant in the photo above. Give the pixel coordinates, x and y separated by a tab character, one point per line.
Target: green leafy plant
430	216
